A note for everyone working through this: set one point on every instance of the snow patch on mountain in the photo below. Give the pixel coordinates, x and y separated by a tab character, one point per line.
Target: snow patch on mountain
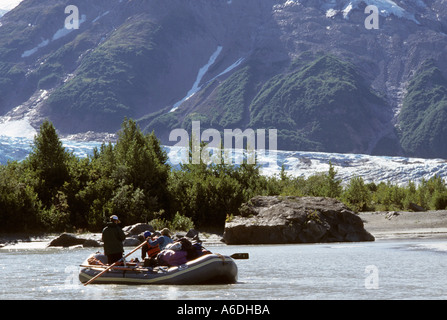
62	32
57	35
233	66
100	16
32	51
196	86
386	8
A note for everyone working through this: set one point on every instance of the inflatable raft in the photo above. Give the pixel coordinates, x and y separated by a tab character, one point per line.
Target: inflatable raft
207	269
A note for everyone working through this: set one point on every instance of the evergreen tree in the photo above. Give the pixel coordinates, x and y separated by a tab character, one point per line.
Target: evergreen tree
49	161
356	194
129	179
333	188
19	203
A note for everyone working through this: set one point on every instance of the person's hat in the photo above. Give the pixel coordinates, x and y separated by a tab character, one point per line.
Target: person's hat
114	218
165	232
147	234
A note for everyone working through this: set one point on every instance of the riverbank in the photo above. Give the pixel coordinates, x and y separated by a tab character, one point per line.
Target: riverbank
406	225
382	225
30	240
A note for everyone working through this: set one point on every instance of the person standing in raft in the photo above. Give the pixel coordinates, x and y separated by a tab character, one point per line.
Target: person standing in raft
113	237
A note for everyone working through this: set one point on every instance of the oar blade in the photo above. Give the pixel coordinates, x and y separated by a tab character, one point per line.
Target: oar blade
240	256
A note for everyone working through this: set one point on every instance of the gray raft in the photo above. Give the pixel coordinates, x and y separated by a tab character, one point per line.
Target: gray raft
208	269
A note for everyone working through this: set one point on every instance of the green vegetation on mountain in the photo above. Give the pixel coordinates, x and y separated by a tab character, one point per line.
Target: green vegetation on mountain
319	103
136	58
423	118
23	34
318	106
52	190
233	99
113	78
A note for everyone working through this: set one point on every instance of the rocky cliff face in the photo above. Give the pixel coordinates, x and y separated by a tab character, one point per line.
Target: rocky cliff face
307	68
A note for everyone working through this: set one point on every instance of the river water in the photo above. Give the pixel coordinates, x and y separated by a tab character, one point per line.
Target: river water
384	269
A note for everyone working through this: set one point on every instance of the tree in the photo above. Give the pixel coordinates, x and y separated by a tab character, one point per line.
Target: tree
141	162
129	178
357	195
19	203
49	161
333	188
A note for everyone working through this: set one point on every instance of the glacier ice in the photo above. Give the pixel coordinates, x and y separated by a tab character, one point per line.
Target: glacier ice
8	5
17	128
397	170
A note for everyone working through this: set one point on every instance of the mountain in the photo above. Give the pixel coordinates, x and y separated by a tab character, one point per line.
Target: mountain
310	69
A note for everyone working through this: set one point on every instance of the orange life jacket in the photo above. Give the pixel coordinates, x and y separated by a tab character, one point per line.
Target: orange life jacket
153	251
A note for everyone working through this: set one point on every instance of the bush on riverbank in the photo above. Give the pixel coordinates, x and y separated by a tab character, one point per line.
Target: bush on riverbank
52	190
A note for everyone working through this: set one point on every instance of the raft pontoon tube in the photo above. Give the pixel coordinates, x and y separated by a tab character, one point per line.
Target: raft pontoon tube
207	269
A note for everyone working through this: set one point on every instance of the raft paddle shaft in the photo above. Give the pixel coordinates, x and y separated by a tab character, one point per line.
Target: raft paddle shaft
111	266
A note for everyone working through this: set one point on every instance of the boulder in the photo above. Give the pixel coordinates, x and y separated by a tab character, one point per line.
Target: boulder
91	243
69	240
416	208
137	229
279	220
131	242
193	234
66	240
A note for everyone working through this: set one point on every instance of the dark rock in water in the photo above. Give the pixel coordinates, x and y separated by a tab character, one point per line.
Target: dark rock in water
132	241
66	240
275	220
90	243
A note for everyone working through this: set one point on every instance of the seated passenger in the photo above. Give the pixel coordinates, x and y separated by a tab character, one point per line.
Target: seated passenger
163	240
150	248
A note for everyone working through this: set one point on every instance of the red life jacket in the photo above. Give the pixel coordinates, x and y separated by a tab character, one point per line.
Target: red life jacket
153	250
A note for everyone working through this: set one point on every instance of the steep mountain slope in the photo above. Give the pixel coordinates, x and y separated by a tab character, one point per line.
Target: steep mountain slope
324	105
423	117
307	68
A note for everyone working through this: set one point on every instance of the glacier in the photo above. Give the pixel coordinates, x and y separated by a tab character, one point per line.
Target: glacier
16	136
8	5
396	170
16	128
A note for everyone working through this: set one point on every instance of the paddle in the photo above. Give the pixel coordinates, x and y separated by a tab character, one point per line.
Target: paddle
112	265
239	256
